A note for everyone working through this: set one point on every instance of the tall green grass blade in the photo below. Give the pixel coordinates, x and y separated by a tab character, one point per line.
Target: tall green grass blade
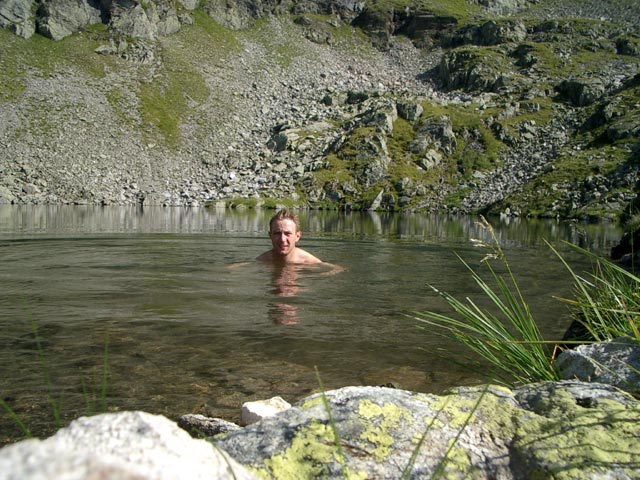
55	405
511	342
25	430
439	470
607	304
336	437
105	375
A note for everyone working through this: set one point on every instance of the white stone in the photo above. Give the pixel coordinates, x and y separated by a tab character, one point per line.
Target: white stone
124	446
255	411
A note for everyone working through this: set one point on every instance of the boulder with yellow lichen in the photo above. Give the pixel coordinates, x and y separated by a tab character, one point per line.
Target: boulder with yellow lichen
547	430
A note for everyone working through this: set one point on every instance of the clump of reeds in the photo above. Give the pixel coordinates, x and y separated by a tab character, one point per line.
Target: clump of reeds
606	304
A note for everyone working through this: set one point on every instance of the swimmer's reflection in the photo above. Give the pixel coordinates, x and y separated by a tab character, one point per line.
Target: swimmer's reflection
285	281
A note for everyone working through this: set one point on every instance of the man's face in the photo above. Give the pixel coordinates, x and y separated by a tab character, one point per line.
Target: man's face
284	236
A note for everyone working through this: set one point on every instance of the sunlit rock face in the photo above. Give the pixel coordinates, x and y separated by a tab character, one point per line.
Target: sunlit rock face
488	432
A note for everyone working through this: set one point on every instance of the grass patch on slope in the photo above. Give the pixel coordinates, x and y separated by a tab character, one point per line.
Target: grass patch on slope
461	10
171	96
43	57
281	44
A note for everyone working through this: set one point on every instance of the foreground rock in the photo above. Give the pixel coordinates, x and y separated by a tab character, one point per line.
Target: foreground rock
562	430
559	430
127	445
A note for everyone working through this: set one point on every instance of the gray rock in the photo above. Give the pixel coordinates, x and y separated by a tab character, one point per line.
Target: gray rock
135	22
582	92
16	15
616	362
200	425
435	133
6	196
504	7
127	445
58	19
538	396
385	433
410	111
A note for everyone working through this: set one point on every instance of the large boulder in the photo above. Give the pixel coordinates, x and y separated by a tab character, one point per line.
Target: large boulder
469	69
482	432
145	21
490	33
435	134
58	19
126	445
582	91
16	16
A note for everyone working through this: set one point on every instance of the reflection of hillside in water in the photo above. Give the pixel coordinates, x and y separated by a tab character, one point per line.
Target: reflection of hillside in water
510	231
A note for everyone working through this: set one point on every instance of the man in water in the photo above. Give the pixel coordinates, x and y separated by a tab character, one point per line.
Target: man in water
284	232
288	262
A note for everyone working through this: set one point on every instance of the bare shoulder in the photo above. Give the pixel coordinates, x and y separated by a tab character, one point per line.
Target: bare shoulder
302	256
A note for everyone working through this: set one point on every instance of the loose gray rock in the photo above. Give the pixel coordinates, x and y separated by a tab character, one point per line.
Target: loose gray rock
200	425
616	362
58	19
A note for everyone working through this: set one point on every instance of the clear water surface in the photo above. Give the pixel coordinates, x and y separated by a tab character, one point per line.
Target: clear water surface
172	302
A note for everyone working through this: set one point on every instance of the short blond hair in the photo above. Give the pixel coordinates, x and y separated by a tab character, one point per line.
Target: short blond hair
284	214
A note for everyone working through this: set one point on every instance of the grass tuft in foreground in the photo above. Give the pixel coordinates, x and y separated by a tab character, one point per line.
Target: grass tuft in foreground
511	343
607	302
606	305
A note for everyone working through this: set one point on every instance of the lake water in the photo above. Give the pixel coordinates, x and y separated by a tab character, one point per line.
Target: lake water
158	296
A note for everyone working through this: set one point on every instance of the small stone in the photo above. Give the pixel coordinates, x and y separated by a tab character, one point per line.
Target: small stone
253	412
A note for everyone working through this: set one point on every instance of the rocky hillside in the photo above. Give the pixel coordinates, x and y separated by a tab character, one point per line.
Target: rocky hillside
501	106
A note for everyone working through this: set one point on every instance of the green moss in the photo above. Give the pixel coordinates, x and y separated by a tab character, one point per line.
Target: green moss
314	402
336	169
380	421
312	450
476	152
574	442
277	203
206	41
165	101
239	202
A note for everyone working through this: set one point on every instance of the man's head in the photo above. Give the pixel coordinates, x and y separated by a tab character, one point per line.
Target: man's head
284	232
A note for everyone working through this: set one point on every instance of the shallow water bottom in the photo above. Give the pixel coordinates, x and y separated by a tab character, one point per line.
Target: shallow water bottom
171	305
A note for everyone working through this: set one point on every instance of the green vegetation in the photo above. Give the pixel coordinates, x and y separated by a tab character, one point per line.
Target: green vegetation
174	92
239	202
607	305
43	58
607	302
603	147
283	47
95	399
514	348
461	10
